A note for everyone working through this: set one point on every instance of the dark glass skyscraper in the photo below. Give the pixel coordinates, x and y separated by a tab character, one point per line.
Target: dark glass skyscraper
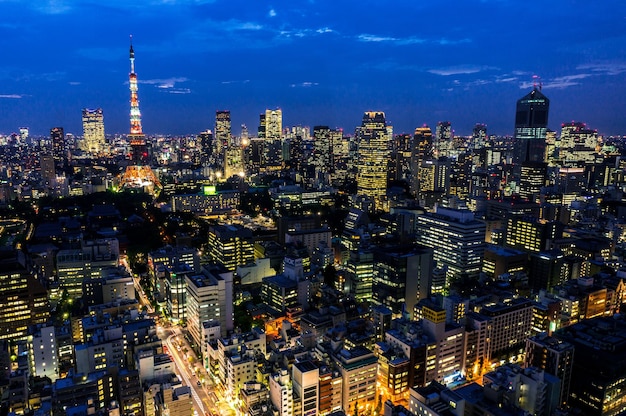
531	122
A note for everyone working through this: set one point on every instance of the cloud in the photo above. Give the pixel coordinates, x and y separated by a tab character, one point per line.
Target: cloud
178	91
306	84
14	96
271	13
558	82
237	25
388	39
461	69
165	83
324	30
74	82
608	68
51	6
245	81
411	40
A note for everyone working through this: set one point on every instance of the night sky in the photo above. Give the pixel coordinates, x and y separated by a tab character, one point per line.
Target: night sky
322	62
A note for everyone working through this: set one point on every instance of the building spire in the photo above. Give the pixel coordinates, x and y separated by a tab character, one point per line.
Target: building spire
132	56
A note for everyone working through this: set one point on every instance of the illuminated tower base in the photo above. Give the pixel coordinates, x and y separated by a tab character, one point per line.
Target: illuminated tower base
140	178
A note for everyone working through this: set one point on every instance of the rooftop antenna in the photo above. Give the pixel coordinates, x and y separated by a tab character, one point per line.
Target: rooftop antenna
537	82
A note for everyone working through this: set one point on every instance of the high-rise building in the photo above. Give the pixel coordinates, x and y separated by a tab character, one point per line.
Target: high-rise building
421	149
271	130
44	361
479	136
554	356
305	376
48	171
373	141
93	131
209	298
443	139
401	277
23	300
358	368
531	122
532	179
223	136
322	157
433	178
457	240
23	134
59	148
230	246
578	143
598	385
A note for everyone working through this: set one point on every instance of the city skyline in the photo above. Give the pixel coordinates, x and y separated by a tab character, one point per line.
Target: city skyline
322	63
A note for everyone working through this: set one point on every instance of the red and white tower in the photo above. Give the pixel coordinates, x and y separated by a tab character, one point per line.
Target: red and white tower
137	175
135	114
139	150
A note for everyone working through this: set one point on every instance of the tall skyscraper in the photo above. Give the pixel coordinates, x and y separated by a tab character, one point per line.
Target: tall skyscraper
422	148
479	136
23	134
529	147
223	133
59	149
373	140
270	130
531	123
443	139
93	130
48	172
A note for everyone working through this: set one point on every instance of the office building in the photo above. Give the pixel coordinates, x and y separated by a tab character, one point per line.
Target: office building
270	131
457	240
579	144
531	234
93	131
358	368
479	136
529	389
230	246
23	300
209	298
505	326
555	357
373	140
48	170
42	354
59	147
421	149
401	277
598	385
531	122
306	380
443	139
433	178
223	134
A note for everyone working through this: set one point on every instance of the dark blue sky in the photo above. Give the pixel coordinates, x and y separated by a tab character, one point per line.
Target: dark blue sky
322	62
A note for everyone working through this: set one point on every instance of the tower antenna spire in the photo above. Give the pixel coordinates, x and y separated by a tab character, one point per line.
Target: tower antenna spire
537	82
